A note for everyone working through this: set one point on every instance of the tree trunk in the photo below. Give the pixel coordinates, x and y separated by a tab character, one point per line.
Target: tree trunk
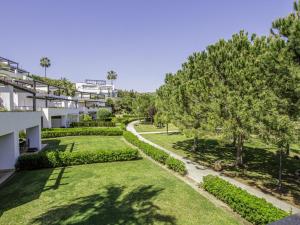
280	171
234	140
167	129
195	144
239	151
45	72
287	149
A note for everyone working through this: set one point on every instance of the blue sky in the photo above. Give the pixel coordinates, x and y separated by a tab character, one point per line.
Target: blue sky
141	40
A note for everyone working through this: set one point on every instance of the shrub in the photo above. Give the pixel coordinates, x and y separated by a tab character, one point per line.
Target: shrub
255	210
126	121
176	165
61	132
85	117
93	124
156	154
49	159
104	115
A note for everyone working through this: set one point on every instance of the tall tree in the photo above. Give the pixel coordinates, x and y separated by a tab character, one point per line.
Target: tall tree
144	106
111	75
45	63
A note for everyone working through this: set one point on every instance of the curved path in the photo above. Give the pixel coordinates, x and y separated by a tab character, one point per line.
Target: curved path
196	172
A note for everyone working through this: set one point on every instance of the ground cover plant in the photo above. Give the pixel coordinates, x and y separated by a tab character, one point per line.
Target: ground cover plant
131	192
254	209
261	161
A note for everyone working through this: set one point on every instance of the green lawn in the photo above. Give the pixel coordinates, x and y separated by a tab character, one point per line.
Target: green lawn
261	161
149	128
85	143
133	192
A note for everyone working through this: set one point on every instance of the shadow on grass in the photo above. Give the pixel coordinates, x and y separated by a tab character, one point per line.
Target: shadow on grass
112	206
24	187
27	186
261	165
55	144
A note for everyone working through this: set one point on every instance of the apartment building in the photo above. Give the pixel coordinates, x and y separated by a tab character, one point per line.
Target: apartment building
97	87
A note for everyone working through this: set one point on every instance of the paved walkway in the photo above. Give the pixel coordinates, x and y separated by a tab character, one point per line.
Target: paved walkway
196	172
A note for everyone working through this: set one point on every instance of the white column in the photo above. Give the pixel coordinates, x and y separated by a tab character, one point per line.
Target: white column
64	121
9	150
33	134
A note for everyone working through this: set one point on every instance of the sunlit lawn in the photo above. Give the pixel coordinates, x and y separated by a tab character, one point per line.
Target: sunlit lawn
85	143
149	128
133	192
261	161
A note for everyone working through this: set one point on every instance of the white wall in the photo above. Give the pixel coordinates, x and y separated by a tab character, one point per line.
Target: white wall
48	113
6	95
9	150
11	123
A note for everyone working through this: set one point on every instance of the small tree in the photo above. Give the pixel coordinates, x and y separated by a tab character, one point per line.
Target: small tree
103	114
45	63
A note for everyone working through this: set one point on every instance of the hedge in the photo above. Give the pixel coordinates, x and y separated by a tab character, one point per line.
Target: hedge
93	124
61	132
126	121
156	154
50	159
255	210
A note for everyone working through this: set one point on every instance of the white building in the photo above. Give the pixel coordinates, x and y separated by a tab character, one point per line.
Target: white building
97	87
20	92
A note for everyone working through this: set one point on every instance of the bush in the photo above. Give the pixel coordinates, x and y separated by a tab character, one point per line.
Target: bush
255	210
176	165
62	132
156	154
85	117
49	159
93	124
104	115
126	121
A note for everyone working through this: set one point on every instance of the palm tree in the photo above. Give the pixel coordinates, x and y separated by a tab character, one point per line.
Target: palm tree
111	75
45	62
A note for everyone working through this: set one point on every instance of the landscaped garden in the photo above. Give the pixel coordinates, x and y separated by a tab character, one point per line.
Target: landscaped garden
261	161
131	192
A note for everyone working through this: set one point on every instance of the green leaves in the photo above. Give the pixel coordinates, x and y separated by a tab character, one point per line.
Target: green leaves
255	210
53	158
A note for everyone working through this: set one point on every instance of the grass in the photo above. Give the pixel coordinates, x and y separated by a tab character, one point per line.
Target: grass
80	143
261	161
150	128
135	192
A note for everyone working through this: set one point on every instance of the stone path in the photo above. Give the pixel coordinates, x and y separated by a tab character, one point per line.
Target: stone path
196	172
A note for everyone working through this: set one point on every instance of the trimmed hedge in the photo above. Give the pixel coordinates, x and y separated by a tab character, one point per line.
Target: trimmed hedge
50	159
126	121
156	154
255	210
93	124
176	165
62	132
